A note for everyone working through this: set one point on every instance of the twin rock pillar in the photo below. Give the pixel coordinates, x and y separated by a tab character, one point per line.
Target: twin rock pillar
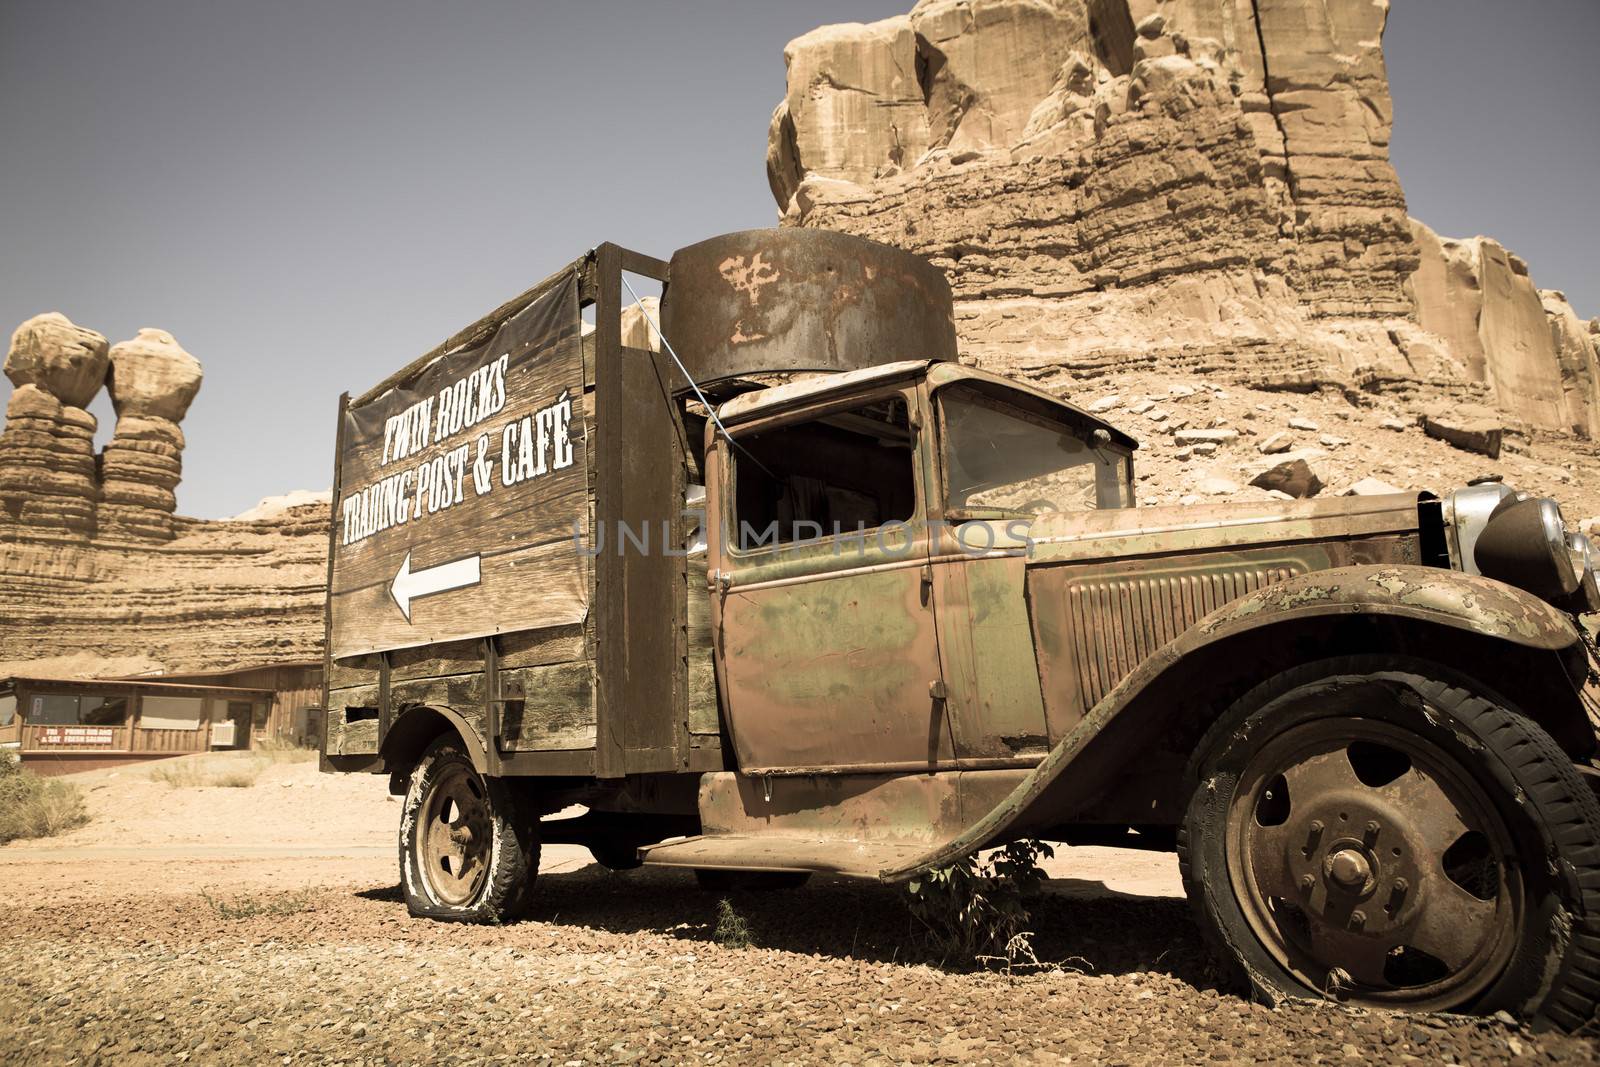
51	480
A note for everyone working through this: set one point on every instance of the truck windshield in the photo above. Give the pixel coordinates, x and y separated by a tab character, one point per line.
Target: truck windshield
1001	461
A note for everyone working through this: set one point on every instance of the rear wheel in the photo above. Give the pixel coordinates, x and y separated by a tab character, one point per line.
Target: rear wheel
1380	832
466	854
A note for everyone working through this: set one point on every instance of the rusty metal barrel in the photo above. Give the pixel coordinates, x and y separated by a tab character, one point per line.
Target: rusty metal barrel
802	300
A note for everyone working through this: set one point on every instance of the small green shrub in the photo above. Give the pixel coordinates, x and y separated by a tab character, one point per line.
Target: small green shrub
732	931
975	911
31	806
247	907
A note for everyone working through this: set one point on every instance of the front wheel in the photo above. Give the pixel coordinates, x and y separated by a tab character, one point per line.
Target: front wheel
466	853
1381	832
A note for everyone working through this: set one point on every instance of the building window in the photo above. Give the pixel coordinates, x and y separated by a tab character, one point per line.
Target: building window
171	713
57	709
102	711
8	709
53	709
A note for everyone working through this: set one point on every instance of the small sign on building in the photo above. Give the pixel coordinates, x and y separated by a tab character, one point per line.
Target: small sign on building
99	736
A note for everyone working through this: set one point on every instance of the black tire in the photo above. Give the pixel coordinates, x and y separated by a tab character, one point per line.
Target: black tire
1514	911
495	850
616	856
717	880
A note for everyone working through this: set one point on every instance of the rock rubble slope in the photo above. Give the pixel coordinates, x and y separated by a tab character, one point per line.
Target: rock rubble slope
1184	187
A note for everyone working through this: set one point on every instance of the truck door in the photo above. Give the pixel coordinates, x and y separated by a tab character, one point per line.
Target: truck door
1005	458
823	600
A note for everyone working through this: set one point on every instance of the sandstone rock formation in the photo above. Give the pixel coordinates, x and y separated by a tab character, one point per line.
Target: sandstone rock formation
1577	354
152	383
47	464
95	567
50	477
1168	185
1527	344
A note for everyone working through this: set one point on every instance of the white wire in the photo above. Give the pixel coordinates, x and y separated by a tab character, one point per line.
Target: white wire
711	409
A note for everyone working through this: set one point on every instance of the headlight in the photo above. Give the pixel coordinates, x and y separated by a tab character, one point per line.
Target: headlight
1525	544
1587	598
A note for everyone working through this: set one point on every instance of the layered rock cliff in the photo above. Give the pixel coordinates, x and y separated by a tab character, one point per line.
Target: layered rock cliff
1175	186
218	594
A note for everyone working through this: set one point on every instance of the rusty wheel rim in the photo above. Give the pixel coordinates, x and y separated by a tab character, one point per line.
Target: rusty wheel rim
1372	866
456	837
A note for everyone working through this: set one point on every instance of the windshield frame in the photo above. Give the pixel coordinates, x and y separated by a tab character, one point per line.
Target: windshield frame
1030	408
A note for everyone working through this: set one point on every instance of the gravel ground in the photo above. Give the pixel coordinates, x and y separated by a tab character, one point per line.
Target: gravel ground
622	968
110	954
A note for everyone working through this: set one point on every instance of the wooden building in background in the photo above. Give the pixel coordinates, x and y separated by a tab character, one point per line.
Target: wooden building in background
63	725
59	727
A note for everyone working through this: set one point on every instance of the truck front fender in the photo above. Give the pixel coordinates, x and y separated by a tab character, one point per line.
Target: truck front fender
1423	595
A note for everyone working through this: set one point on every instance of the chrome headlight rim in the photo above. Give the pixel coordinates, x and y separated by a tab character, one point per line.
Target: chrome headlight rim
1586	601
1555	532
1581	551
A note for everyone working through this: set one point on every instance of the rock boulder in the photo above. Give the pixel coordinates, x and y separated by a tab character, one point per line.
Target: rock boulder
1210	192
1472	430
1298	474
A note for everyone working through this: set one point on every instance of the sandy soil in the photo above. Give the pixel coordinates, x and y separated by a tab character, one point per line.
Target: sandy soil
111	953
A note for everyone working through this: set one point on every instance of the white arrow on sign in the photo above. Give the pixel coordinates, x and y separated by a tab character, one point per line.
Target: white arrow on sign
409	585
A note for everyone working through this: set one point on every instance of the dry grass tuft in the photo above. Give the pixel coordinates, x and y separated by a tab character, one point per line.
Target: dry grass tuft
223	771
248	907
31	806
178	773
275	751
241	778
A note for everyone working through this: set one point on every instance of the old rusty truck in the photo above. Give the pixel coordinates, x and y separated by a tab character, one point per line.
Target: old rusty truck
772	584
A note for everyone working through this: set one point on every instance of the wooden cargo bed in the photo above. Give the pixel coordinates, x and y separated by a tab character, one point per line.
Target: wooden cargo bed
620	681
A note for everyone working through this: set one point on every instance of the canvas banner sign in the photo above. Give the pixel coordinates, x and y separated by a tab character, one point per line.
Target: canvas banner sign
459	490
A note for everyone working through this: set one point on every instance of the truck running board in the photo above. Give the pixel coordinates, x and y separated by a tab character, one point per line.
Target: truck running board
766	852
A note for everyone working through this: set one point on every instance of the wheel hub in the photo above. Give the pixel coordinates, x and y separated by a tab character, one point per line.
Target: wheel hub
1349	869
1337	872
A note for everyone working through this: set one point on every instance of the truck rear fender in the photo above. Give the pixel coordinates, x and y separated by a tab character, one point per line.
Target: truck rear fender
1477	625
414	730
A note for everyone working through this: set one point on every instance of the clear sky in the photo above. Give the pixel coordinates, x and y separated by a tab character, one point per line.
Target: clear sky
309	193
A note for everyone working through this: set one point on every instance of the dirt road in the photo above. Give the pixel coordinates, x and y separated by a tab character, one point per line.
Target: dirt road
110	953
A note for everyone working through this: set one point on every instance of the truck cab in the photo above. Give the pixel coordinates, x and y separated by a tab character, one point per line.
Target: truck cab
870	542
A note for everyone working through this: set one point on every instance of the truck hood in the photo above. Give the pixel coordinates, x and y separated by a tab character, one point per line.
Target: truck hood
1125	532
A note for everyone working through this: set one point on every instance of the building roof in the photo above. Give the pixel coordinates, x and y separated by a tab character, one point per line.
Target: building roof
286	665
